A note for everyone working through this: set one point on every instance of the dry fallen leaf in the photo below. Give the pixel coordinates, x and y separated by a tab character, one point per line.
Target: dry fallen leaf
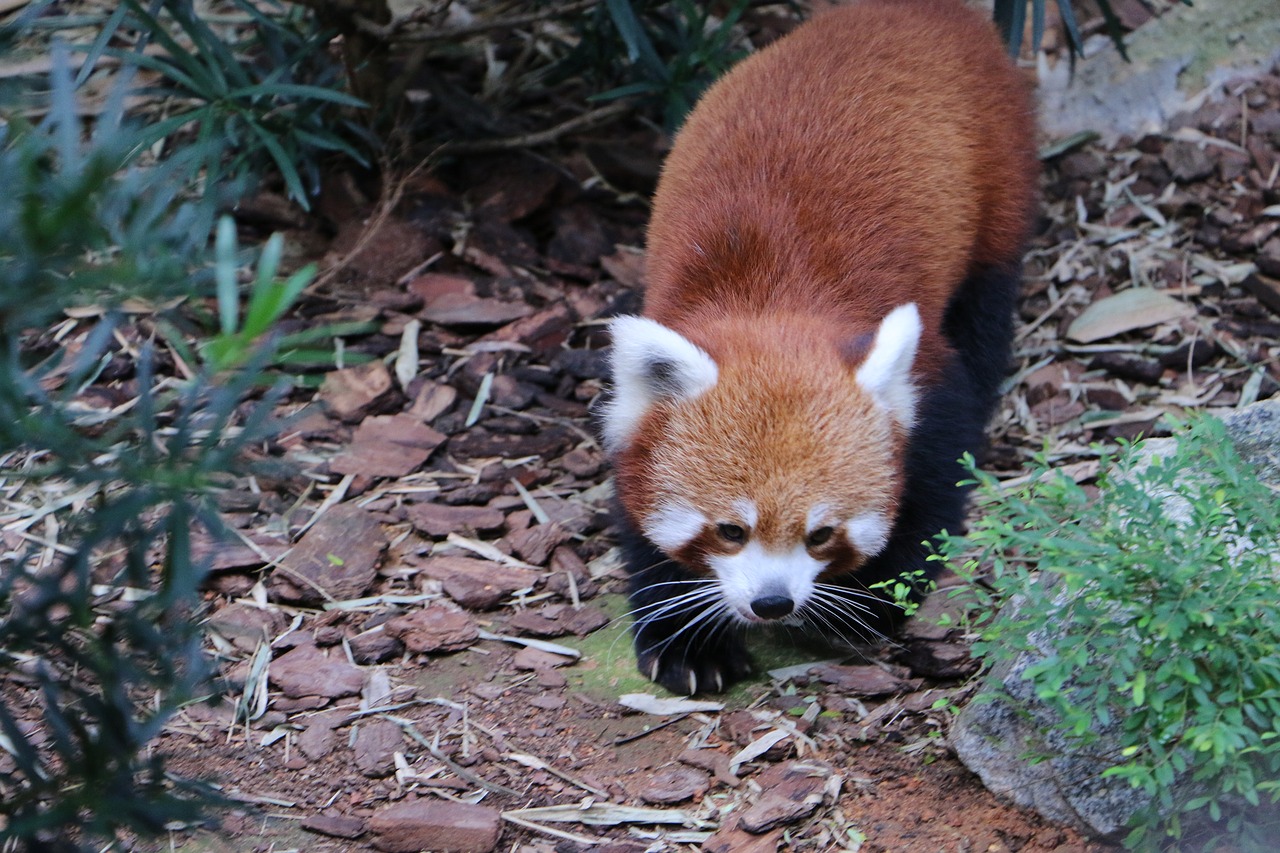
1136	308
650	704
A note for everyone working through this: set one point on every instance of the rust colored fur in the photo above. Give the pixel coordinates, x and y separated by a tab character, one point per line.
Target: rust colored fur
875	154
878	157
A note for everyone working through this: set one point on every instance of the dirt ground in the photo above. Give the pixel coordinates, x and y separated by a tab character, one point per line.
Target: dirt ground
441	518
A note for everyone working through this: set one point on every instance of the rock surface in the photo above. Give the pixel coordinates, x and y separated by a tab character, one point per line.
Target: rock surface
1176	61
994	739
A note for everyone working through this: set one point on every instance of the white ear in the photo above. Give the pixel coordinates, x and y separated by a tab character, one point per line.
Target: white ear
650	363
886	372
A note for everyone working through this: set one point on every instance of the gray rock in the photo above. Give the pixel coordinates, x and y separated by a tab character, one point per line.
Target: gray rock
1255	431
997	739
1176	62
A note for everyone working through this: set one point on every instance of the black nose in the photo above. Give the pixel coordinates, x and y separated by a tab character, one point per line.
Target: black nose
772	606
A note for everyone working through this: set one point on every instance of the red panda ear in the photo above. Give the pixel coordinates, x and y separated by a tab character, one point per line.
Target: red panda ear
650	363
886	371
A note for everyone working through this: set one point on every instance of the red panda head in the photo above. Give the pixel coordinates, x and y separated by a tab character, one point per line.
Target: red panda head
766	453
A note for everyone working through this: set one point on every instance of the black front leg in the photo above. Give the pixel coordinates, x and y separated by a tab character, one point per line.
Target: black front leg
684	640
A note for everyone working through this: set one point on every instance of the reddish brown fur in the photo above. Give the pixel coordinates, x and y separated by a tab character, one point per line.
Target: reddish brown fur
722	446
874	157
905	163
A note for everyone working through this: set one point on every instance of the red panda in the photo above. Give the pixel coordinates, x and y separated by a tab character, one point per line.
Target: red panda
832	261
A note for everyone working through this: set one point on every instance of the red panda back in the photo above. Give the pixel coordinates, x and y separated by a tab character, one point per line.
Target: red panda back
785	422
875	155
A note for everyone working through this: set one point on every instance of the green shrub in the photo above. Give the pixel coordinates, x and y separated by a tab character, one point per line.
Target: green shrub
250	96
1163	596
99	628
665	54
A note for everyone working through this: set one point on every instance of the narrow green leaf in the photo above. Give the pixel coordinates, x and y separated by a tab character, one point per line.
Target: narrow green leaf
224	274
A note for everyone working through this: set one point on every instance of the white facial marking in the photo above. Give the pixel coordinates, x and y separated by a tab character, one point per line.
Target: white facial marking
747	512
868	532
815	518
649	363
754	572
886	373
673	525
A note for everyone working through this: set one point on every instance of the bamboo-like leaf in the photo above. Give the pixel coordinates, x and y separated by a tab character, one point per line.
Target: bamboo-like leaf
1114	27
284	163
640	48
1073	29
224	273
100	43
296	90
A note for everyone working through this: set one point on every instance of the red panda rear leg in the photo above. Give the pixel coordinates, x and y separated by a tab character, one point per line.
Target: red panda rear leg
686	648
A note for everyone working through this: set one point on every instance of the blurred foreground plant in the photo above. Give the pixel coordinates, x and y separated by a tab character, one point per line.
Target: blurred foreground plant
244	96
104	505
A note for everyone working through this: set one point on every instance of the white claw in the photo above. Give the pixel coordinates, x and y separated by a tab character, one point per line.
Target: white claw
653	670
693	682
719	682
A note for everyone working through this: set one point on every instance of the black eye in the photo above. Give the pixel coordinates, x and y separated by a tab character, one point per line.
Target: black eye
819	537
732	533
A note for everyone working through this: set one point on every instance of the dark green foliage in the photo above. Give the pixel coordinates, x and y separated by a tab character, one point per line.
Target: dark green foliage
1167	623
104	623
664	53
1011	18
271	99
274	100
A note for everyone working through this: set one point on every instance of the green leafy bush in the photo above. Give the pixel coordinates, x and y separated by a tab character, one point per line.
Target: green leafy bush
248	96
1163	598
99	628
663	53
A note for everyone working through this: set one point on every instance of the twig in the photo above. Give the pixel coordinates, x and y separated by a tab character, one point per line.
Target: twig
535	763
595	118
619	741
558	833
387	204
457	768
396	29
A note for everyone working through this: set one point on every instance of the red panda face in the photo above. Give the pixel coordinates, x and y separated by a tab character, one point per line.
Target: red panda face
767	456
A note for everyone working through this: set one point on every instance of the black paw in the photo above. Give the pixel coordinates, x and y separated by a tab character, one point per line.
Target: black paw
684	671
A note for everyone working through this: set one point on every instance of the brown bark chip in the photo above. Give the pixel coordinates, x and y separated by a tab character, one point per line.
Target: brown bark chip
452	300
1266	290
536	659
375	746
351	393
387	446
335	560
374	646
434	629
791	791
535	544
334	826
674	785
437	825
477	584
247	626
863	680
442	519
308	671
732	838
